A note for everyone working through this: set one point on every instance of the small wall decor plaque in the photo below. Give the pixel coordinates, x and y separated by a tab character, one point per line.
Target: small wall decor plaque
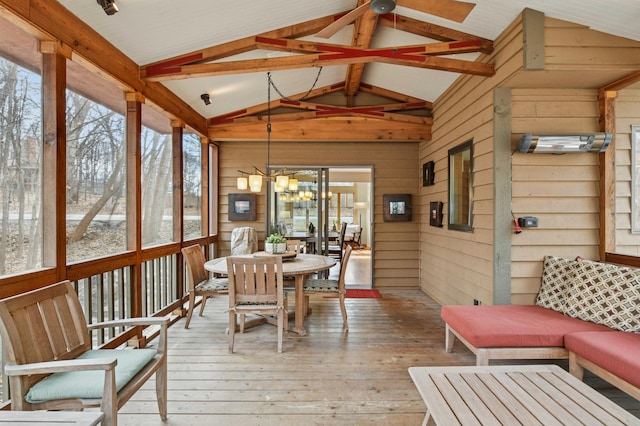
428	173
242	207
397	207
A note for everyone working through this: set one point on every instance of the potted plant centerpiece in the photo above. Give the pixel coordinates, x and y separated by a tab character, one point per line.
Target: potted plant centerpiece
275	244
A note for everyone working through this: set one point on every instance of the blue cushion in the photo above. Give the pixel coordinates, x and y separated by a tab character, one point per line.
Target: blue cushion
90	384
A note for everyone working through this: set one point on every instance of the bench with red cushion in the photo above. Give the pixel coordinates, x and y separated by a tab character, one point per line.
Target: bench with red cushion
511	331
613	355
586	311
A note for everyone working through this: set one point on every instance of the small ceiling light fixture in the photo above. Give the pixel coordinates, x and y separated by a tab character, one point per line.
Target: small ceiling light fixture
382	6
564	144
109	6
206	98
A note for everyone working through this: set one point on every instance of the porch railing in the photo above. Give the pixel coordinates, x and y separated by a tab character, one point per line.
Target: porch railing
106	290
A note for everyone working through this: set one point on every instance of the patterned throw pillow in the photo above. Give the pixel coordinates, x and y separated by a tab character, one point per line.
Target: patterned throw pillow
606	294
557	275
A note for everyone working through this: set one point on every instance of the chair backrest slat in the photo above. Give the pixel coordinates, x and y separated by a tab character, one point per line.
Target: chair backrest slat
43	325
255	279
195	260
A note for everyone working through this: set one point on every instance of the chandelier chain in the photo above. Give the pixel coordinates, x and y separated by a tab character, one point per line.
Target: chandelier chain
271	83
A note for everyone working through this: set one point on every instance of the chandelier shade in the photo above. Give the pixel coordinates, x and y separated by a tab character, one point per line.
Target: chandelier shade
293	184
242	183
255	183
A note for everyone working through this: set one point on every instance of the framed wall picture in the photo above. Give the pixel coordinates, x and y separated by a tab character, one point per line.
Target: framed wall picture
428	173
242	207
397	207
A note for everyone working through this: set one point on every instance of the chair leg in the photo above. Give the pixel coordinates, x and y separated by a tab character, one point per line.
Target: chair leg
242	317
232	329
192	301
161	389
286	316
281	319
343	308
202	303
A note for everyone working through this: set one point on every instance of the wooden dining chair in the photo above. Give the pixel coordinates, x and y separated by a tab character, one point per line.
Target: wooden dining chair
294	246
331	287
336	250
256	286
200	284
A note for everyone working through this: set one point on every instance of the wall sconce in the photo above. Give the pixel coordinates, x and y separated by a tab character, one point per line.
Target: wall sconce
206	98
563	144
109	6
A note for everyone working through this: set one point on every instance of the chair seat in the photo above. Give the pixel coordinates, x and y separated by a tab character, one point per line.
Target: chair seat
257	304
89	384
214	284
321	286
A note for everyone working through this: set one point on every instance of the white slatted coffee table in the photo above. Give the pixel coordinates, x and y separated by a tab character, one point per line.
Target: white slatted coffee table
513	395
51	418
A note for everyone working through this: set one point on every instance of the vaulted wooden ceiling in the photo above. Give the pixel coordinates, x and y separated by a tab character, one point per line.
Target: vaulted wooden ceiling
389	115
383	72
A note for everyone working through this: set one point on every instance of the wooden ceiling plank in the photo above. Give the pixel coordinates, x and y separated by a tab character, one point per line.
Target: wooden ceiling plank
236	47
390	94
362	36
425	29
305	47
348	129
343	20
452	10
380	107
620	84
407	56
260	108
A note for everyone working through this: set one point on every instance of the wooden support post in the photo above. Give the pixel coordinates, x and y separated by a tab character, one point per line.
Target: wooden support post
54	164
607	176
134	196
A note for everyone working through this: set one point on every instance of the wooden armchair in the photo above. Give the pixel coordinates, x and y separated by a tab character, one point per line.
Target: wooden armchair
200	284
51	365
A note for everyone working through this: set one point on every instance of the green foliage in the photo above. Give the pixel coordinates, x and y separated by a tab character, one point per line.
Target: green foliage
275	239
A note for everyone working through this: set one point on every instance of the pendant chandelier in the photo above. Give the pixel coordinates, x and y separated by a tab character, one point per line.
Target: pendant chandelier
281	178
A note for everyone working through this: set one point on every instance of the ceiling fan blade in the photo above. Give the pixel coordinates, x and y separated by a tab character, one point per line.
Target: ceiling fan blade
345	20
449	9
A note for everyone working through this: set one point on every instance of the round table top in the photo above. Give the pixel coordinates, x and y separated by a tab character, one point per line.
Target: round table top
301	264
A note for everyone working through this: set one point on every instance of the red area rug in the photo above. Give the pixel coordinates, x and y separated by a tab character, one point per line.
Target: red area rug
363	294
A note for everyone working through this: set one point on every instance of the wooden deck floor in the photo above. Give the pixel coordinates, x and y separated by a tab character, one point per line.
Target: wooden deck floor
325	378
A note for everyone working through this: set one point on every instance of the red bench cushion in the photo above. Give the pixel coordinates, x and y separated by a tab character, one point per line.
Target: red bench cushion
513	325
615	351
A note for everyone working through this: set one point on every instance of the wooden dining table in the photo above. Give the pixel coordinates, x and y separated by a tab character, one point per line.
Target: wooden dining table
298	267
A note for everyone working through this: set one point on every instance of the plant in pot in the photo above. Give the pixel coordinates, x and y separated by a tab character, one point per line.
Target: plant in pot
275	244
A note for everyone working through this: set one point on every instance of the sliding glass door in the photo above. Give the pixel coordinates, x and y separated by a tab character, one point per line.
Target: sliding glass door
302	211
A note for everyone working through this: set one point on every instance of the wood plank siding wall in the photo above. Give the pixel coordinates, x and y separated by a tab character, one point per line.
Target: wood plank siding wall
395	171
457	267
561	190
627	115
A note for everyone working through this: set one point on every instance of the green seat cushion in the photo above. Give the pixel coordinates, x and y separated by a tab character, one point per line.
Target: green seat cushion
90	384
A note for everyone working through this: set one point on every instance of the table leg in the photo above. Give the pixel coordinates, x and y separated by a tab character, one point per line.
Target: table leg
300	307
428	420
